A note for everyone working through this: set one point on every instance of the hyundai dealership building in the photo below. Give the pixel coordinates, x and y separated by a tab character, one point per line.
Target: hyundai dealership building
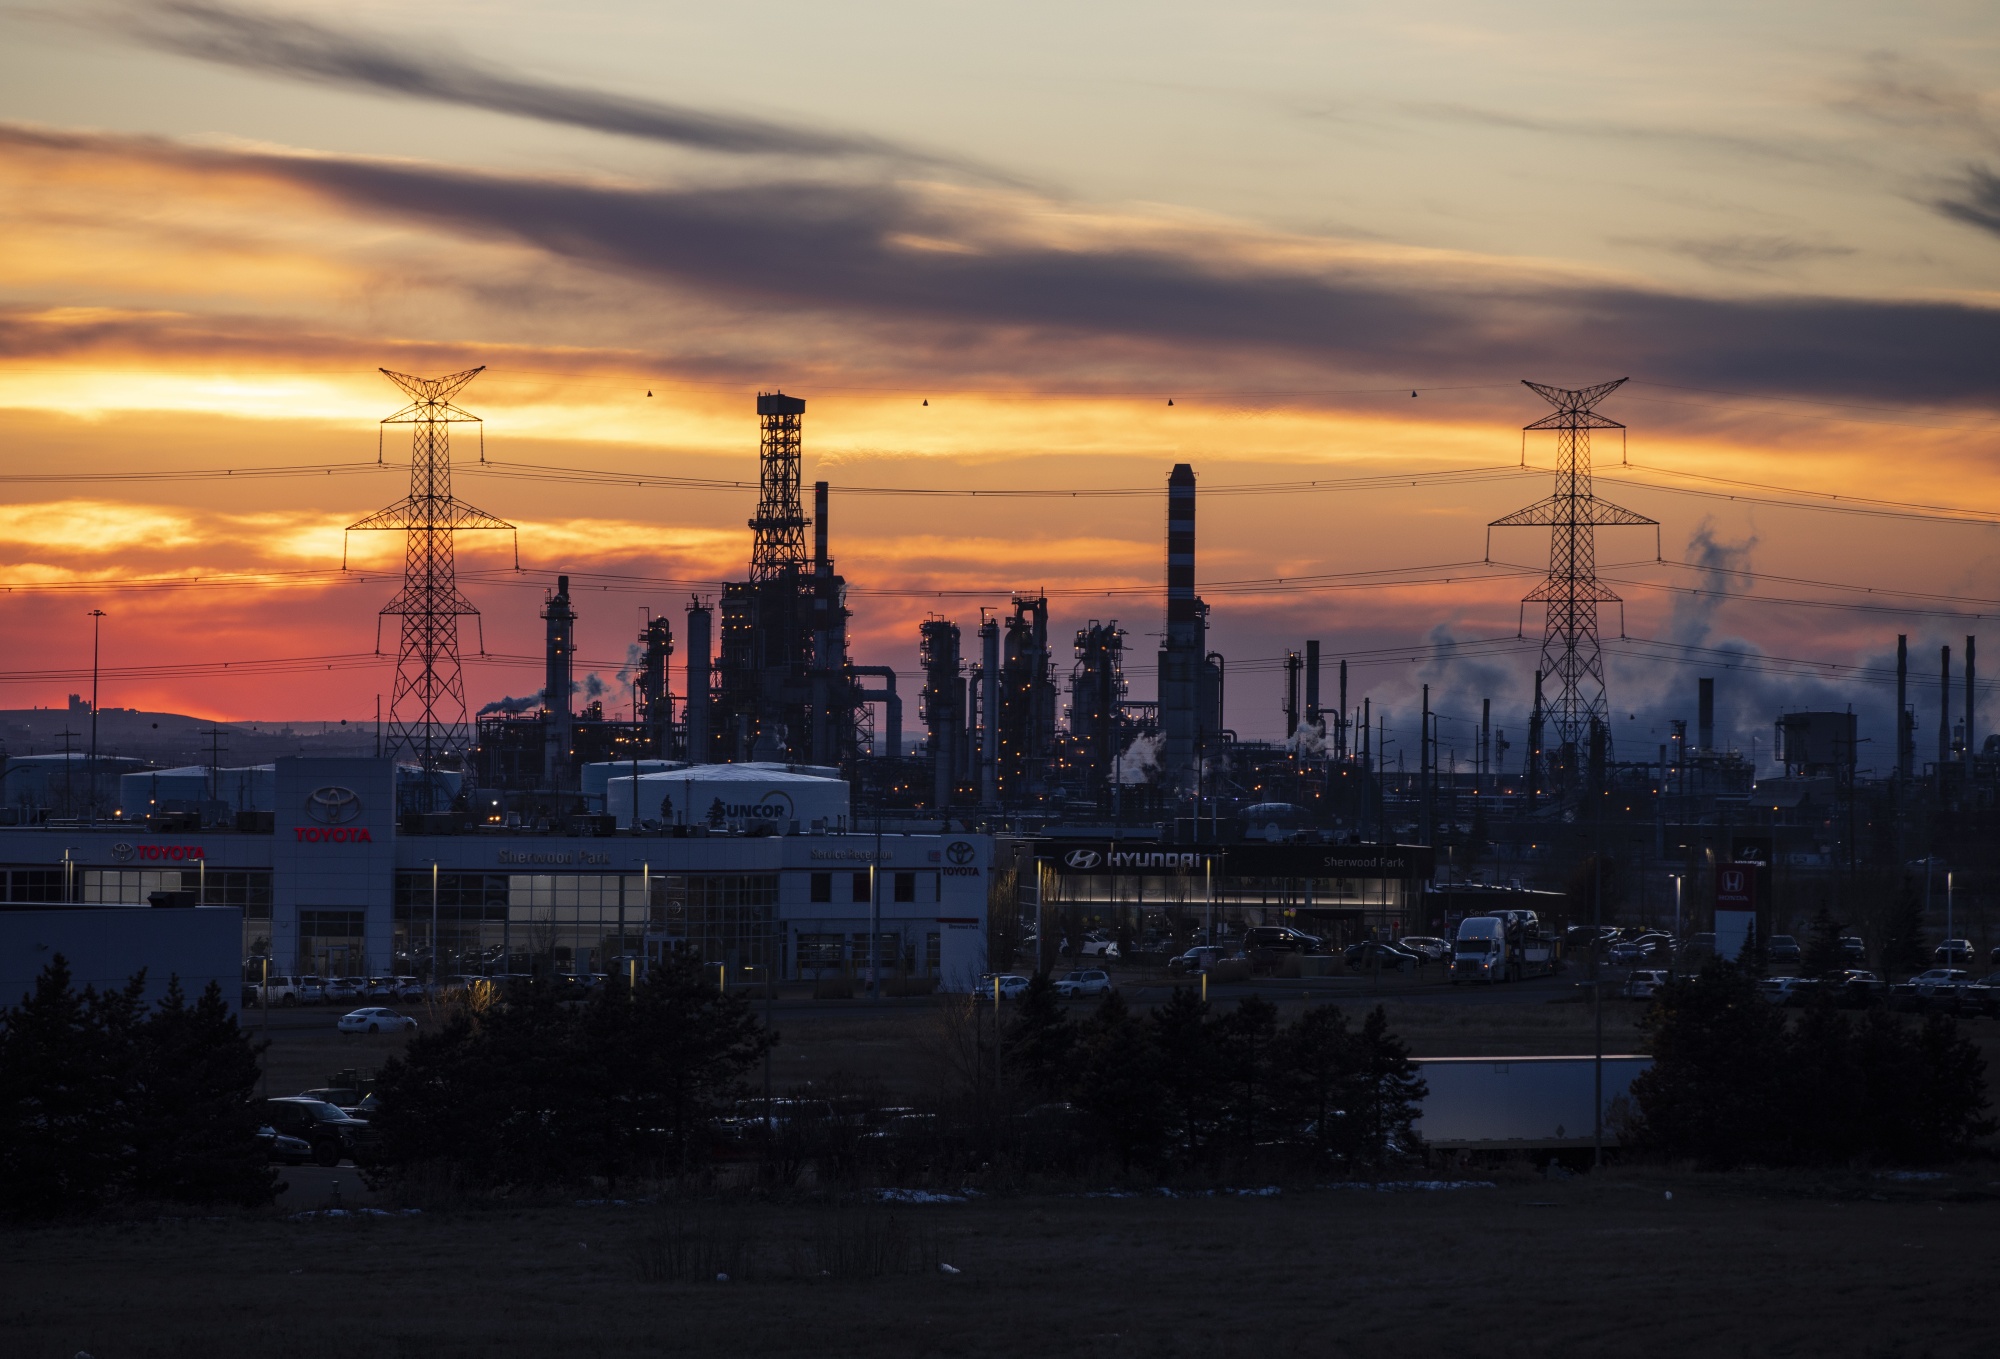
336	887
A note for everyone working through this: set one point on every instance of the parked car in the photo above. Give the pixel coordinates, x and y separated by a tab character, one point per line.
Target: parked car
1371	954
346	1099
1939	988
1281	937
1012	986
330	1133
1089	981
1857	989
1785	990
409	988
1853	949
280	991
312	990
1433	950
293	1151
379	988
375	1019
1196	960
1098	944
1784	950
343	989
1635	948
1953	953
1581	936
1642	984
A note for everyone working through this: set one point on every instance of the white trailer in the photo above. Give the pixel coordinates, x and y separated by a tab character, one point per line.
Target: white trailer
1523	1103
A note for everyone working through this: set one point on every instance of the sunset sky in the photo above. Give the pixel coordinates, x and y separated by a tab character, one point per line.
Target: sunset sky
1782	222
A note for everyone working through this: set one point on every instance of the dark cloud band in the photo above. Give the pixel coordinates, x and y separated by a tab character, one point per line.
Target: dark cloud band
303	50
845	252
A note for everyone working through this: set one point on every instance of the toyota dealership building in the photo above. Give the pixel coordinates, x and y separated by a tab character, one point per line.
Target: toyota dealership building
337	886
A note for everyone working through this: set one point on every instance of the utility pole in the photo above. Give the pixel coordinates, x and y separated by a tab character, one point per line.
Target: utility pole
96	621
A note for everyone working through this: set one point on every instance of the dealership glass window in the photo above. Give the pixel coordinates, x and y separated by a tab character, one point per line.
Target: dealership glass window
862	883
35	885
906	887
822	887
820	951
579	922
331	943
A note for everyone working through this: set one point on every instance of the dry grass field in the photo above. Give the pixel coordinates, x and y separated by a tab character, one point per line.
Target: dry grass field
1728	1266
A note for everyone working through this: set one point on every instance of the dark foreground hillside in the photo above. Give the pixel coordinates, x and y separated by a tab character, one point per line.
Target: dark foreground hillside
1729	1265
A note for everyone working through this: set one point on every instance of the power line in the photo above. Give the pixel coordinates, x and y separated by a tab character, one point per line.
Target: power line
197	474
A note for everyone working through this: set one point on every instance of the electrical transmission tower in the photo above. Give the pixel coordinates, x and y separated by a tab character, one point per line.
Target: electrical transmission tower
779	547
427	718
1570	653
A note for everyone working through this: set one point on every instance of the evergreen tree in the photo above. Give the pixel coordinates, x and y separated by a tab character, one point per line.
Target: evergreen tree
1041	1039
1388	1092
1946	1116
1316	1063
1244	1039
691	1045
194	1121
1119	1083
1191	1074
1719	1056
1823	957
1903	951
65	1068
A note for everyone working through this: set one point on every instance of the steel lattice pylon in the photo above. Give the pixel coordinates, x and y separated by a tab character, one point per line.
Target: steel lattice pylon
1570	651
779	547
427	714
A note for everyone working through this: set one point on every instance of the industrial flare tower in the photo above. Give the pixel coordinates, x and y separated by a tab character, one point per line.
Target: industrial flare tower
1572	591
427	718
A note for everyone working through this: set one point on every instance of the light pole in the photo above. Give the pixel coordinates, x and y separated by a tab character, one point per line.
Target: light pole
96	621
434	928
1947	909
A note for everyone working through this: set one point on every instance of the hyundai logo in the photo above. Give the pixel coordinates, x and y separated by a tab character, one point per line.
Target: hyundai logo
333	806
960	852
1082	858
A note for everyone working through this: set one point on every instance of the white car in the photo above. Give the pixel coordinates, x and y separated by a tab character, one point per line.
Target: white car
1012	986
343	988
1641	985
1090	981
375	1019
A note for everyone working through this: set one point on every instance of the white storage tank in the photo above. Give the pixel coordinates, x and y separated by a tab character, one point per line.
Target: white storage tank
732	796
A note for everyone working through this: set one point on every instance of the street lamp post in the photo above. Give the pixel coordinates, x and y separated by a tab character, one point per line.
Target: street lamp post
96	621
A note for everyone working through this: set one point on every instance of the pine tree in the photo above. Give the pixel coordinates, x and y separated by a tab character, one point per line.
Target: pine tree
1191	1074
1316	1063
1823	957
1244	1039
65	1069
1388	1092
1041	1040
1903	951
1119	1083
1719	1053
194	1123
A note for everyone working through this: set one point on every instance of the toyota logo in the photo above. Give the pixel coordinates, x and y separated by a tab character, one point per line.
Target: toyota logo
122	852
1082	858
333	806
960	852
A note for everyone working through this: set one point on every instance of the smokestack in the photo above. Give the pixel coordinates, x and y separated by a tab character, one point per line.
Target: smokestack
1312	684
1969	746
1944	710
1181	656
1343	706
1705	714
989	712
559	676
1485	737
1906	744
1292	663
700	745
821	563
